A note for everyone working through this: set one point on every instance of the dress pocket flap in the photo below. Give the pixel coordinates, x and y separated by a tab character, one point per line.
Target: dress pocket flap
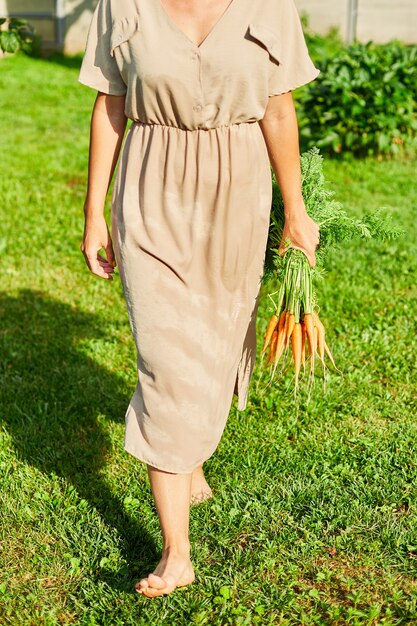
268	39
122	31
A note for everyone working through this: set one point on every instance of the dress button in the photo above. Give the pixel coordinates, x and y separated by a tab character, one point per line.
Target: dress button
198	107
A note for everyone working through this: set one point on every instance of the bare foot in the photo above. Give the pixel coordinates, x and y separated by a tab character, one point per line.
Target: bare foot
200	489
174	570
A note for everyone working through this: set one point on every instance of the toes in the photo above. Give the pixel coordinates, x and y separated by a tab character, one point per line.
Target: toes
144	589
141	585
152	586
150	592
156	582
157	586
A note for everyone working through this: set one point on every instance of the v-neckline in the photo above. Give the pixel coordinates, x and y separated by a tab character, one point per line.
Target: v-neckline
175	26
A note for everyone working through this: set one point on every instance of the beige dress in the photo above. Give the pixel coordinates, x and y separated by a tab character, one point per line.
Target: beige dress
191	206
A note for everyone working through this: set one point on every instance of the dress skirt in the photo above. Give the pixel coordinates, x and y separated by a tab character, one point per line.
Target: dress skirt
190	221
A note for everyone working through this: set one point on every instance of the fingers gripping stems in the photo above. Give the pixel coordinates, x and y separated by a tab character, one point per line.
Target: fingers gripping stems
96	238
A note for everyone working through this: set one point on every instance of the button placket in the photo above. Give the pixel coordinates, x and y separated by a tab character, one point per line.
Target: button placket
198	106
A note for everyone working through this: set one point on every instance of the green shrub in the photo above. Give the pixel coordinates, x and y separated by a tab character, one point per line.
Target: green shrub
364	102
18	34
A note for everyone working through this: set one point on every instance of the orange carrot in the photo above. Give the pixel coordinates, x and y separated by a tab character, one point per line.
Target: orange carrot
273	347
309	324
320	336
282	324
278	355
290	327
280	347
282	319
303	344
273	322
296	345
329	354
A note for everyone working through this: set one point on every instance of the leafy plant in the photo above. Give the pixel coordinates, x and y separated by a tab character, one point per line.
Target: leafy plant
364	101
295	325
18	34
335	223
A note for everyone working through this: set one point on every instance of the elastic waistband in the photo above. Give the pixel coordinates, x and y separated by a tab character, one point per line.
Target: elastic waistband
194	130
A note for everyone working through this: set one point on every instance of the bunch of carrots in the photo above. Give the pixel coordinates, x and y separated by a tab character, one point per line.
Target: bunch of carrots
295	326
295	332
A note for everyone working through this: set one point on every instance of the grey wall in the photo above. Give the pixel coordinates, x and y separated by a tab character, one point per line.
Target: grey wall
77	21
380	20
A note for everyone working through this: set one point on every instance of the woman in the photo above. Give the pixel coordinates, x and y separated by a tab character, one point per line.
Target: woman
208	85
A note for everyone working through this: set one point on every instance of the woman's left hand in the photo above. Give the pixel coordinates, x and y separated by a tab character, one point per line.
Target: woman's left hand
300	232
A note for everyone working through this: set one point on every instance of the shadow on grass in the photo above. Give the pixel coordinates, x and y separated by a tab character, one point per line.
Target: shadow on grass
72	62
52	397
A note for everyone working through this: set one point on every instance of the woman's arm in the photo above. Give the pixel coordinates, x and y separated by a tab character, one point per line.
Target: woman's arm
108	124
280	130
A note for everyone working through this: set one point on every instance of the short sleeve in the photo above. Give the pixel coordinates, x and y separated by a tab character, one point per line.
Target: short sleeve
99	68
283	37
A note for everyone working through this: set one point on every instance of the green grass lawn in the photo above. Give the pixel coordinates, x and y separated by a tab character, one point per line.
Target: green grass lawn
314	519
